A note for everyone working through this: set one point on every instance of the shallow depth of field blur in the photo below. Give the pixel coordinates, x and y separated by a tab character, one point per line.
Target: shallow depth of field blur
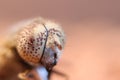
92	28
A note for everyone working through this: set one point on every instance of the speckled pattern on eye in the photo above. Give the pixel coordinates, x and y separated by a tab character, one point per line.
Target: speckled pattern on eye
31	39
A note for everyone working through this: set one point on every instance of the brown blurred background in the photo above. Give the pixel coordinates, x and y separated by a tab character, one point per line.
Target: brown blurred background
92	28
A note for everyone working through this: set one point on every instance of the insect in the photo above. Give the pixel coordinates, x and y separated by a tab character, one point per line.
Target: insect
39	43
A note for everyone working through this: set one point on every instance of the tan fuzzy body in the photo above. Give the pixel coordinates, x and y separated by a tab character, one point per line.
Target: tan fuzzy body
10	63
